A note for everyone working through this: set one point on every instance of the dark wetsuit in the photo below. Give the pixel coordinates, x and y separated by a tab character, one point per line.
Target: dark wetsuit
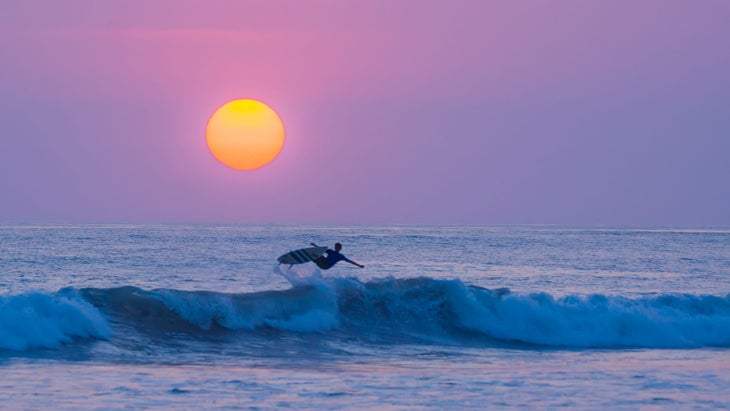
332	257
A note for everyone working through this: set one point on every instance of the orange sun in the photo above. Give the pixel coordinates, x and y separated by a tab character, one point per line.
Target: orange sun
245	134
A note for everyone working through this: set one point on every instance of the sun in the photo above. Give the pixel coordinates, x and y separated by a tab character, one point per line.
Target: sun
245	134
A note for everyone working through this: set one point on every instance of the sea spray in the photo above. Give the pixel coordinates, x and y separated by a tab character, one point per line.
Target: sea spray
665	321
37	319
304	308
391	310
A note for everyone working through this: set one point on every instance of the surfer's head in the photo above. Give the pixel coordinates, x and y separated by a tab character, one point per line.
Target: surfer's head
338	247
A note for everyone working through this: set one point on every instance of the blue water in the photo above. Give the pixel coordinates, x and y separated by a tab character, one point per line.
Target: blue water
200	316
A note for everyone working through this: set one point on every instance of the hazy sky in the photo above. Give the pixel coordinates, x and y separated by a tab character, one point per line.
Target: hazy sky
465	112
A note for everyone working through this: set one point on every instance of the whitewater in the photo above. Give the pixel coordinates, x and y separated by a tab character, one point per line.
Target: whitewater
441	317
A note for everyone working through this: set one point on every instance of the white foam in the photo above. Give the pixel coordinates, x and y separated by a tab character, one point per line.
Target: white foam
666	321
305	308
38	319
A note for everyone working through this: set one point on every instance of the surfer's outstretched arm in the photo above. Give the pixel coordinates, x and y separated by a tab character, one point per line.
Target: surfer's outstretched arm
354	263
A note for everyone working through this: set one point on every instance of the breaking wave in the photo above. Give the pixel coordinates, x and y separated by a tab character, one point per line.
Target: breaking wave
39	320
386	310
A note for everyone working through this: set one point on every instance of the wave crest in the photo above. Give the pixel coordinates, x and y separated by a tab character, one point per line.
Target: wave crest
304	308
665	321
41	320
391	310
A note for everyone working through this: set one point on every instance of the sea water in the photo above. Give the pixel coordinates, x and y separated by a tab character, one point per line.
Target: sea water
201	317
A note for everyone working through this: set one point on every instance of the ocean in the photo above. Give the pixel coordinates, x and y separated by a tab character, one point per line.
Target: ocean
441	317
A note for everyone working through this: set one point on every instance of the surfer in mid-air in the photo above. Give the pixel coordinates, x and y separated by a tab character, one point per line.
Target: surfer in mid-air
332	257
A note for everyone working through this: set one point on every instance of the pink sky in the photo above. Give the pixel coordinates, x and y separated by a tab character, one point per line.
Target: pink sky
469	112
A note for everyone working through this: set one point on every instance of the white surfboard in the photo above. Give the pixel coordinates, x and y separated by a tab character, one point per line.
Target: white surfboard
303	255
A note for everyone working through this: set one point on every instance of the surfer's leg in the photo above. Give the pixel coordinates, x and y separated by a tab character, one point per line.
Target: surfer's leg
322	263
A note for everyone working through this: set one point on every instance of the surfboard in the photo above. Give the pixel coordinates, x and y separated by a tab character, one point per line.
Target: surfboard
303	255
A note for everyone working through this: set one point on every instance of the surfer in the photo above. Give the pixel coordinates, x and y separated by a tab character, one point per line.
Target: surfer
332	257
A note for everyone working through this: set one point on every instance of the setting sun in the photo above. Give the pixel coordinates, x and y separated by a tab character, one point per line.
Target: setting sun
245	134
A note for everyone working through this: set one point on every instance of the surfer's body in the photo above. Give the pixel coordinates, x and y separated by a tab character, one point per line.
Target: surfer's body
332	257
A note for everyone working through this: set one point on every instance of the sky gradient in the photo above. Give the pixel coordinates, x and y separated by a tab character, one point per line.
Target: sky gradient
472	112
